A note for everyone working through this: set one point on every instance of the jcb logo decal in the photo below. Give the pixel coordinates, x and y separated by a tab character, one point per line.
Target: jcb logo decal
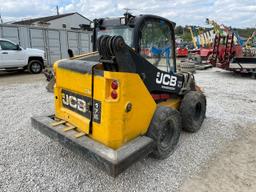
166	79
81	105
74	102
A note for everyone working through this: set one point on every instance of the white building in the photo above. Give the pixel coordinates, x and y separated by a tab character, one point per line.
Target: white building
61	21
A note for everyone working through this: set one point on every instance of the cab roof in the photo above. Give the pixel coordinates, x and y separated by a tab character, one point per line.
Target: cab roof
130	20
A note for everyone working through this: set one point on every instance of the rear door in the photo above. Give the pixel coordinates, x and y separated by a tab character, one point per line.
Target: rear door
73	42
10	55
54	46
156	44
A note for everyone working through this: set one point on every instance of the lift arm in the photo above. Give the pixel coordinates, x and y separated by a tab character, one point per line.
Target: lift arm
118	56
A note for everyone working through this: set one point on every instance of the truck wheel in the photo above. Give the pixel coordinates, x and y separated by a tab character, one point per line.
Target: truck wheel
192	109
35	66
165	130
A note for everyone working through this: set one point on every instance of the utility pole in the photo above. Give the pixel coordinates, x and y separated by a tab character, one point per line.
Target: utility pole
1	20
57	9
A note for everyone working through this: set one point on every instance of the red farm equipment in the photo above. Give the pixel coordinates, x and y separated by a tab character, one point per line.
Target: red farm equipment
229	56
181	51
224	50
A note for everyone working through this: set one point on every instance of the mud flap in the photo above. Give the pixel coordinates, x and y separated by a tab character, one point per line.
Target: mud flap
113	162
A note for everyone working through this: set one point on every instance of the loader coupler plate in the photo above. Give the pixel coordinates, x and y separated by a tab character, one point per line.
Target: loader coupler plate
111	161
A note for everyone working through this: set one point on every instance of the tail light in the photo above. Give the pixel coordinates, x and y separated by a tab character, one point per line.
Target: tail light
114	94
114	85
113	89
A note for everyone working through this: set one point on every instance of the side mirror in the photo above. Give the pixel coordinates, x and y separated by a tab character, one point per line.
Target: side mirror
92	25
70	53
18	47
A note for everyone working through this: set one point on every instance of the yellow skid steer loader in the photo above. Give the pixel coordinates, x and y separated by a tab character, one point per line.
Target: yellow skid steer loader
124	101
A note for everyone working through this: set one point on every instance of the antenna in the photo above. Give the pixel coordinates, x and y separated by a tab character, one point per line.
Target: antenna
128	9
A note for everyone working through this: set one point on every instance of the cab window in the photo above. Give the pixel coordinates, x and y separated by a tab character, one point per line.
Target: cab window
6	45
125	32
156	44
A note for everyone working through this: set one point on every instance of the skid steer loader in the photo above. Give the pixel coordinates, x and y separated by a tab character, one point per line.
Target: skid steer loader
124	101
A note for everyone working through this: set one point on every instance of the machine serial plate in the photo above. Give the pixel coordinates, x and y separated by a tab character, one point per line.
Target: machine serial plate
81	105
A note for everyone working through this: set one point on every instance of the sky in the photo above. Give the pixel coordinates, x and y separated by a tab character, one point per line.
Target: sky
235	13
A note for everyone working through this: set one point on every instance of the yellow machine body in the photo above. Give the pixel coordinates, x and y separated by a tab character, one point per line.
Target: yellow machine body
108	103
122	119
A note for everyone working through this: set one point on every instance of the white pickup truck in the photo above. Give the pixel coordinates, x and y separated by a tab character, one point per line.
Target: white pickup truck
14	57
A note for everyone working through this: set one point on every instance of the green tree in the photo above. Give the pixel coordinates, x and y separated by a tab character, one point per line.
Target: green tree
179	30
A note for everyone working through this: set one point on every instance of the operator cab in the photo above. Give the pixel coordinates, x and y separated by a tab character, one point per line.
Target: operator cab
150	36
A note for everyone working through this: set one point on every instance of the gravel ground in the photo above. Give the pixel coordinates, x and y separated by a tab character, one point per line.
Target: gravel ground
232	169
30	161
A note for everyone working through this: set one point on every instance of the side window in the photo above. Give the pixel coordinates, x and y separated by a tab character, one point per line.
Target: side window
125	32
6	45
156	44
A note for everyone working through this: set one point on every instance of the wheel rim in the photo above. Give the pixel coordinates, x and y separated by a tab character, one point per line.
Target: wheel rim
35	67
166	136
198	111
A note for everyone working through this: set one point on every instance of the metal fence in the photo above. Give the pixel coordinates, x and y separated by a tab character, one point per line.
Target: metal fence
55	42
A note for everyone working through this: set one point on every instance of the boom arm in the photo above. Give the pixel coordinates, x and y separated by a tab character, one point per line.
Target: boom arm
118	56
194	36
223	30
251	39
216	26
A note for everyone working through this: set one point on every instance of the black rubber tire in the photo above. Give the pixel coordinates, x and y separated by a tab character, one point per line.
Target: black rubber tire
188	67
178	67
192	110
187	64
197	59
164	129
253	75
35	70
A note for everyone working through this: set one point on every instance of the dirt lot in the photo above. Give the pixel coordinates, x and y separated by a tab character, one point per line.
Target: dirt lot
220	157
19	77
